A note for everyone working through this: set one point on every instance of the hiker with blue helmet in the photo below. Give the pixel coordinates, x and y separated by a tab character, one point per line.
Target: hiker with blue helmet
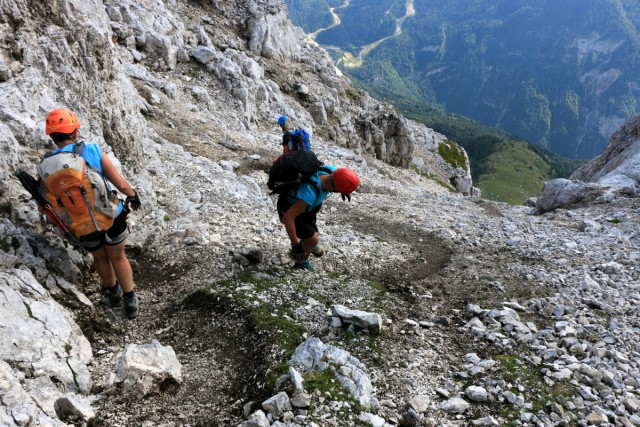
106	244
299	207
292	138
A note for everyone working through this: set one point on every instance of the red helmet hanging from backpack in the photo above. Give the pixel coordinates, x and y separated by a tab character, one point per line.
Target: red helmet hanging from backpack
345	180
62	121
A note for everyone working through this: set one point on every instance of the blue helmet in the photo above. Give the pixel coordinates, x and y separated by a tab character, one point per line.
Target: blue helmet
282	119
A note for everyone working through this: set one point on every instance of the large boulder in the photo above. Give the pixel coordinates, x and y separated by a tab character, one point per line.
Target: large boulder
563	192
616	171
313	354
619	165
146	368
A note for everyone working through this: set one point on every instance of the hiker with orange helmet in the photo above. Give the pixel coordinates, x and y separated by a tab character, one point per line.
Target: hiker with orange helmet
106	246
298	210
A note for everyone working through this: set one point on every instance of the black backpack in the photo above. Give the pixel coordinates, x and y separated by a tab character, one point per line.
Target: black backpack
290	170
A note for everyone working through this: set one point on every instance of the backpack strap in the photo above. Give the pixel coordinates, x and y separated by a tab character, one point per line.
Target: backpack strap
315	186
87	202
78	147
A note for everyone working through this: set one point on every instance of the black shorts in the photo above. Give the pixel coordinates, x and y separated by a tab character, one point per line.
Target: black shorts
113	236
305	222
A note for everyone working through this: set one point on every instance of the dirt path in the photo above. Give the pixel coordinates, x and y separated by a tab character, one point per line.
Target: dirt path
222	357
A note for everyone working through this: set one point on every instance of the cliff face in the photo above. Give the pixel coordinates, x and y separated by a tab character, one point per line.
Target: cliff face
62	54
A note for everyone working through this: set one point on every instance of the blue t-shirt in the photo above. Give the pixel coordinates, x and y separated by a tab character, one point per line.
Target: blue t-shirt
92	154
311	193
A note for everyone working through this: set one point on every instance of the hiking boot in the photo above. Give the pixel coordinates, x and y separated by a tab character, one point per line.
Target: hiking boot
317	251
115	296
305	265
131	306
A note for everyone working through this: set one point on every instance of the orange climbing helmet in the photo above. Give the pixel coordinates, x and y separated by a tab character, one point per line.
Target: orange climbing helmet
62	121
345	180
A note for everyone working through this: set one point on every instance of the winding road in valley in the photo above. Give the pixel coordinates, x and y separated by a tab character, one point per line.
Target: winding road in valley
348	59
336	21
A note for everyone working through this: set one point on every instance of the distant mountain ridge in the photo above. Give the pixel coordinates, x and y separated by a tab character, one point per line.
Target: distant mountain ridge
562	75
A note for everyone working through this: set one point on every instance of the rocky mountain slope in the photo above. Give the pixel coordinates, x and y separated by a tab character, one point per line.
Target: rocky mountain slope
430	308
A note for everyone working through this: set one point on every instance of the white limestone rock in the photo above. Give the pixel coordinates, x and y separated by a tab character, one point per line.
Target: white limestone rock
455	405
39	335
17	407
144	368
359	318
313	354
562	192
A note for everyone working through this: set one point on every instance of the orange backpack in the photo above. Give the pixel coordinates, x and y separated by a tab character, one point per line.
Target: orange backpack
78	193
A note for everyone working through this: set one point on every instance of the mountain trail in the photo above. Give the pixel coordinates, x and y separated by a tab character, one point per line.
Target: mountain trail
227	360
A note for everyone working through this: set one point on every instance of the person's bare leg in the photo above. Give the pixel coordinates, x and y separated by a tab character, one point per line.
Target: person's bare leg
120	265
309	243
102	264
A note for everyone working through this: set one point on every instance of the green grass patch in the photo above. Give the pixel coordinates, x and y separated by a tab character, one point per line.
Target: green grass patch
378	287
536	390
273	374
484	145
323	381
326	384
280	331
274	323
512	173
379	290
354	96
452	153
246	277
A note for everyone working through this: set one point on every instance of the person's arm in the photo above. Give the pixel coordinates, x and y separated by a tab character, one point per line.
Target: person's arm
289	219
111	173
114	177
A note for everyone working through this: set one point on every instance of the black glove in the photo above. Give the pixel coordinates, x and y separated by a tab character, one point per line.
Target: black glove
133	201
297	252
